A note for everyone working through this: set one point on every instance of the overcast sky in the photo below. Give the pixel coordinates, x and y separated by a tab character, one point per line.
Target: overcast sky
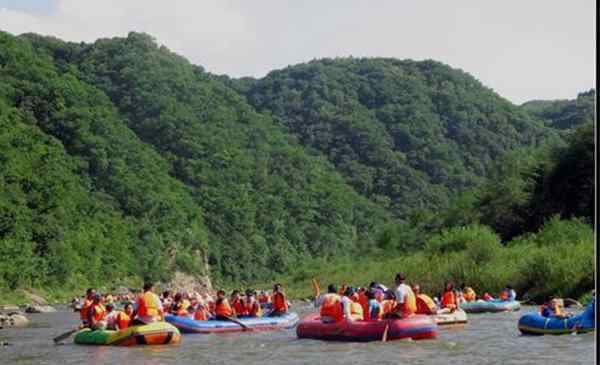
527	49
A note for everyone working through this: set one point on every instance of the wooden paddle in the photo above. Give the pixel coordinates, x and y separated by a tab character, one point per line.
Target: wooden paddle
64	336
385	332
244	327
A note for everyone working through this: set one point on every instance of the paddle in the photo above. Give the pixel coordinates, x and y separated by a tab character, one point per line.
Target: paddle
244	327
385	332
64	336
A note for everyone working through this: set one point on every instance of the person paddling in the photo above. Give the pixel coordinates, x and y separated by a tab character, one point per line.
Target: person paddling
90	293
96	314
149	308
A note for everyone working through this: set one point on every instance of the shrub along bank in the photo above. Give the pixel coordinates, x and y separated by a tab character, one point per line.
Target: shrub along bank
556	260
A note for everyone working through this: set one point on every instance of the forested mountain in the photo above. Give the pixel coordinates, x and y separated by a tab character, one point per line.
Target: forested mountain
405	134
120	159
564	114
180	159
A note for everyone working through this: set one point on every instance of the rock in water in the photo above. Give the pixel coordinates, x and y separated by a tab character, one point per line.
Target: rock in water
40	309
13	320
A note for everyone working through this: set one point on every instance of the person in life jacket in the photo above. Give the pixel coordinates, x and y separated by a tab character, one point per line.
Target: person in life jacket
180	305
201	313
363	300
388	304
487	297
96	314
406	303
223	311
449	303
264	298
236	303
375	309
425	305
469	294
279	306
330	304
251	305
90	293
552	308
149	308
352	309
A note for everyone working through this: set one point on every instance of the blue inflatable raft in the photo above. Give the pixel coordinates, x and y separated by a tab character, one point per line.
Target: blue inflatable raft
481	306
536	324
190	325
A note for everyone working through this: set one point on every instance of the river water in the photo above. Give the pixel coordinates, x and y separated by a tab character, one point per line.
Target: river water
486	339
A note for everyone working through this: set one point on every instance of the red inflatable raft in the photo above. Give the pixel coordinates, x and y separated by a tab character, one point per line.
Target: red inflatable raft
416	327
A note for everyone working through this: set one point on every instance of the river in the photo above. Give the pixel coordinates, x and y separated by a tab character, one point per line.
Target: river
486	339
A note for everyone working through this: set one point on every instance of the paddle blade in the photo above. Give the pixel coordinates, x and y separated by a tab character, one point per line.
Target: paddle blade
64	336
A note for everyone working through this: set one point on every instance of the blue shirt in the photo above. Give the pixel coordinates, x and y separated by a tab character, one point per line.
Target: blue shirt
374	308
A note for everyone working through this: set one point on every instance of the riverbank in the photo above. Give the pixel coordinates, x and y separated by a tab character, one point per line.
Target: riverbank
557	260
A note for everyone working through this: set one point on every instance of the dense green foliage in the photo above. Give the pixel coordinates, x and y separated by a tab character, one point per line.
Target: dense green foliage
557	260
405	134
186	164
120	160
564	114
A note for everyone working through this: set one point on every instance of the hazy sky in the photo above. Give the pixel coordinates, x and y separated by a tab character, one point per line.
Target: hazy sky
527	49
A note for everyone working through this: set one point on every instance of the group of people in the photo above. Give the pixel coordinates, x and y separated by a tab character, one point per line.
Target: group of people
99	311
377	301
221	307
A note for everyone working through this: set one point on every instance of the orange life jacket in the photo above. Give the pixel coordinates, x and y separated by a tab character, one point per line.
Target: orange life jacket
280	303
364	303
449	300
123	320
264	298
98	311
239	307
503	295
388	306
253	309
425	305
201	314
148	305
83	313
222	308
332	307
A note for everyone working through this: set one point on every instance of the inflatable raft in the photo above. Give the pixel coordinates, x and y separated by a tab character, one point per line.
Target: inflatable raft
190	325
535	324
160	333
457	317
416	327
481	306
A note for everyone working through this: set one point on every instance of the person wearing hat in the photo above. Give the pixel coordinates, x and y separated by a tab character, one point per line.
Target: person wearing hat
406	304
96	314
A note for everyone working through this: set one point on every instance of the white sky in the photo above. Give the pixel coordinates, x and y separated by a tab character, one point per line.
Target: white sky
527	49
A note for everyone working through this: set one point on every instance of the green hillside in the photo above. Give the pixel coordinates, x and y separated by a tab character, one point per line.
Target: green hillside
405	134
121	161
564	114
